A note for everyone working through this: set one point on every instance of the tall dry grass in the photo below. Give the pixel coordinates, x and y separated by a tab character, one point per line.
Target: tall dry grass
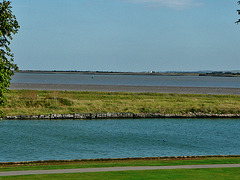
65	102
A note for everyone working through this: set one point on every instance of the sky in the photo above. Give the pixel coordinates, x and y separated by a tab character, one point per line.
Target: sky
127	35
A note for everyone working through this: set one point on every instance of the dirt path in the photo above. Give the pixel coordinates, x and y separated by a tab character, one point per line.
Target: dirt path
85	170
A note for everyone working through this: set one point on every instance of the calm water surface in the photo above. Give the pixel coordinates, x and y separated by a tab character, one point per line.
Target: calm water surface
83	139
137	80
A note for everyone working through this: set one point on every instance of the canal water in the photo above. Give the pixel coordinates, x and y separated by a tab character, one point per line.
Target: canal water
83	139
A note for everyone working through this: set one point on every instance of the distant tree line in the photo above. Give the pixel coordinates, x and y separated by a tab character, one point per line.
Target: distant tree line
220	73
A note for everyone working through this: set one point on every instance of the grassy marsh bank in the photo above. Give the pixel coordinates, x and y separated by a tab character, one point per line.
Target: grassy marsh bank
35	102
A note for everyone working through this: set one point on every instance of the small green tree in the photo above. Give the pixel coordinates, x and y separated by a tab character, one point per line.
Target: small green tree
238	11
8	27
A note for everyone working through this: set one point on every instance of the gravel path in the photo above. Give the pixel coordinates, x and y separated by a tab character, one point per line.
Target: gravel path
123	88
84	170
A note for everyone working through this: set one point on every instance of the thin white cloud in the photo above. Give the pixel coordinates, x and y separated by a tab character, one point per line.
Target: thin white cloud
175	4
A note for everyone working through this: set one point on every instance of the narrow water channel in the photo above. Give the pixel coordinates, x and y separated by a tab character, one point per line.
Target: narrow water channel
87	139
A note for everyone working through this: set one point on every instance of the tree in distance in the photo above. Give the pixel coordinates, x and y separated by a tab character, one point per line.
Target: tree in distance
8	27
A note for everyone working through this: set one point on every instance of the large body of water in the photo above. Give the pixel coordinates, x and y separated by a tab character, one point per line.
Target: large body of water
133	80
83	139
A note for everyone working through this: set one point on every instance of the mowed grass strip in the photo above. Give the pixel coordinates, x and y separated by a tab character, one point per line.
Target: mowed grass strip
28	102
119	163
216	173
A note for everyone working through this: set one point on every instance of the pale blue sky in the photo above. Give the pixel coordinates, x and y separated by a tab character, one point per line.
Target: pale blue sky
127	35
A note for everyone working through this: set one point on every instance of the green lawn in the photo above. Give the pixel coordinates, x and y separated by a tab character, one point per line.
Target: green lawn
218	173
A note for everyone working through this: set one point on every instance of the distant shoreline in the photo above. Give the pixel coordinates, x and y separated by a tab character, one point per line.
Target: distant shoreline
127	88
113	73
152	73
